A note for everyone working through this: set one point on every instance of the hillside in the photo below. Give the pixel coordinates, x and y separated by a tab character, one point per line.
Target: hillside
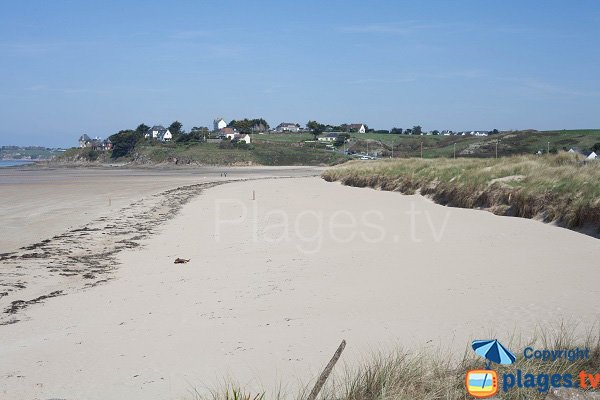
300	149
28	153
259	153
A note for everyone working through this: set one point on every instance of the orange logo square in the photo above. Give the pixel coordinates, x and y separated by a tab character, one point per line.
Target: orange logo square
482	383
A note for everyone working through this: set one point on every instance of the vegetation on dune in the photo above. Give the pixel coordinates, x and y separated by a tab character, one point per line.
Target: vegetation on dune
433	374
555	188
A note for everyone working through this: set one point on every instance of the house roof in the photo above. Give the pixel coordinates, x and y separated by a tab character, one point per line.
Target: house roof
356	126
158	128
286	124
85	138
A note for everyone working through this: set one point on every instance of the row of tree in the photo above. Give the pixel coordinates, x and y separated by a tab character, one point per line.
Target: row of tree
249	125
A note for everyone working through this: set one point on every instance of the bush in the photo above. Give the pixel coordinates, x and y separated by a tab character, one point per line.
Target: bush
124	142
89	154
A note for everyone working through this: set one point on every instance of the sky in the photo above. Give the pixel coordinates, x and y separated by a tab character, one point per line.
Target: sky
74	67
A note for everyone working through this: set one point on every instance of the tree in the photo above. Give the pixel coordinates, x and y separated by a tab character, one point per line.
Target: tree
249	125
396	131
197	134
417	130
315	128
596	148
408	131
435	132
124	142
494	132
341	139
142	128
175	128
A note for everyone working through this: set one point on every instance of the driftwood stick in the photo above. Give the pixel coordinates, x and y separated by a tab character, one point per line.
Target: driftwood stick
325	374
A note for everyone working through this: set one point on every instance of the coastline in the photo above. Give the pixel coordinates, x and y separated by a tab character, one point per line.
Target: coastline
262	311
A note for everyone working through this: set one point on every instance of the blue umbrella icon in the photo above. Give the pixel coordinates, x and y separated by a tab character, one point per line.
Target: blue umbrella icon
493	351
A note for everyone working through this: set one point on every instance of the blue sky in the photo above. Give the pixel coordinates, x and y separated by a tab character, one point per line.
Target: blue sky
73	67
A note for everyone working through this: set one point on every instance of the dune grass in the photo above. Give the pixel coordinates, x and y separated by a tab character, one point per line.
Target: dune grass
554	188
433	374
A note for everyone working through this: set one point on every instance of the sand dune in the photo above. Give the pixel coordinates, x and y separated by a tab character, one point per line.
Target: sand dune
275	283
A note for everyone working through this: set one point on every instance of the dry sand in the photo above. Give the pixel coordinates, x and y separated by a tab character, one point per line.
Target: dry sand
275	283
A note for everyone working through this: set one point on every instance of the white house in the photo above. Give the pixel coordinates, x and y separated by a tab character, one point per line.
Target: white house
239	137
592	156
287	127
360	128
328	138
165	136
159	132
219	124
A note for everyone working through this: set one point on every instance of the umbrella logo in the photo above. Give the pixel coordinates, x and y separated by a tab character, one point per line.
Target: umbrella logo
493	351
482	383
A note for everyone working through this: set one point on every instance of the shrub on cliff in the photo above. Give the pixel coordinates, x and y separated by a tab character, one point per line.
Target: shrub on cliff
124	142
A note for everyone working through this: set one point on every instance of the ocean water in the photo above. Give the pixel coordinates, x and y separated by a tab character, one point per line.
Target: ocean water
13	163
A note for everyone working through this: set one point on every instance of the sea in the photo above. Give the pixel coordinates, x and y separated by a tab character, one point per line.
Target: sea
14	163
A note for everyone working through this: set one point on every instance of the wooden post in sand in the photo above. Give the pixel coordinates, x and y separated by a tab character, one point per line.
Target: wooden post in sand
325	374
253	195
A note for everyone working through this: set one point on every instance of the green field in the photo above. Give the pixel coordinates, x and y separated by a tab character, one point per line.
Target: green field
510	143
281	137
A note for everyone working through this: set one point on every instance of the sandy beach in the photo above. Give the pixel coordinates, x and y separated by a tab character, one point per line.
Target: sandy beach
280	271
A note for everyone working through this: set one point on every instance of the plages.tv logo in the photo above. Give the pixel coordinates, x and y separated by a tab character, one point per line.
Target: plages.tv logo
483	383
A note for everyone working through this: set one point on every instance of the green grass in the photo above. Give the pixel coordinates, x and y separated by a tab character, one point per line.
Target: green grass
282	137
512	143
555	188
259	153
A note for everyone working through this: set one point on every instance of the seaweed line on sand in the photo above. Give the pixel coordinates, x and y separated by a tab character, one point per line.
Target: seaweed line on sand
86	256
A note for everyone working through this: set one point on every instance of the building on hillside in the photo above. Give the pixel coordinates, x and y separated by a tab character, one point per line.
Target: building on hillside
239	137
218	124
159	132
360	128
330	137
288	127
84	141
592	156
95	144
228	131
